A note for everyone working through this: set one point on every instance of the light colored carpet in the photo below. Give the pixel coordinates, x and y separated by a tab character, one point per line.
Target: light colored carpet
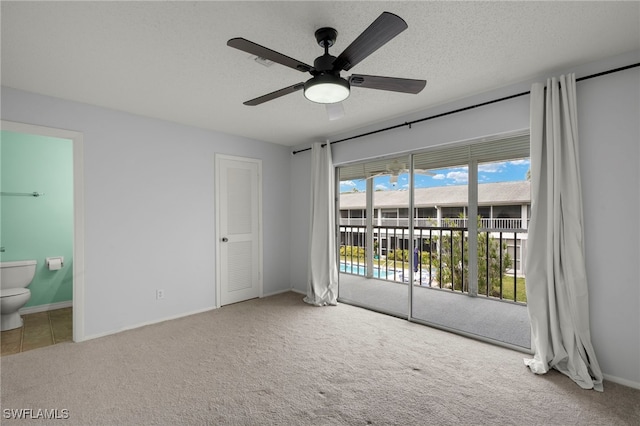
279	361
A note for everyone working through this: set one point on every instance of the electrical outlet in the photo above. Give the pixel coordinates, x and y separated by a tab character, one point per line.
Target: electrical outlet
159	294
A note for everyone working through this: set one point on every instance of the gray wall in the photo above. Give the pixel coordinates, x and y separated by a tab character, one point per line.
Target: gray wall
149	209
608	111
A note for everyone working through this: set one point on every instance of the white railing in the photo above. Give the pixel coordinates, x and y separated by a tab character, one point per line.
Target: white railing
495	223
455	222
502	223
425	223
353	221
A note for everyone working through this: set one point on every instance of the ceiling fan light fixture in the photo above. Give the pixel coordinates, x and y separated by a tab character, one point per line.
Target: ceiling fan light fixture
326	89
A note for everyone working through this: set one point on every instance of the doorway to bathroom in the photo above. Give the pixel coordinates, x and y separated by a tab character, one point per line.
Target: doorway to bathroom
42	217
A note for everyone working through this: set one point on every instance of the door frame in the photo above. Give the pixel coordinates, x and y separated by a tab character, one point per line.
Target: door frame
78	301
217	179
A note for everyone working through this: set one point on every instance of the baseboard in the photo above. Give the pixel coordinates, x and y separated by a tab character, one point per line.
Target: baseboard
143	324
295	290
286	290
46	307
108	333
621	381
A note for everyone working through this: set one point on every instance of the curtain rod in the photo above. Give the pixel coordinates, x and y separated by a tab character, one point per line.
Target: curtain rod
455	111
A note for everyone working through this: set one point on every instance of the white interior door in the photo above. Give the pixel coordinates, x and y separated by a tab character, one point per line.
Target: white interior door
239	246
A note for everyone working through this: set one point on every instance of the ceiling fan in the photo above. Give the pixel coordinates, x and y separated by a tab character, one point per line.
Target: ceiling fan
326	86
396	168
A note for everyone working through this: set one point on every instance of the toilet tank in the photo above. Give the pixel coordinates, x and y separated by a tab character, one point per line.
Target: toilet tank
18	274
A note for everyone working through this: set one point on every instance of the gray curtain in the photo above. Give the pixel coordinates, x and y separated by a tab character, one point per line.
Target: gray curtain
322	287
557	293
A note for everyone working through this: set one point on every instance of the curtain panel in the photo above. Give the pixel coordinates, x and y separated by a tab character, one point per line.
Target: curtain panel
322	286
557	293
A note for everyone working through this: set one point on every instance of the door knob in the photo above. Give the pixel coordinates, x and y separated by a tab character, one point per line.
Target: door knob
225	239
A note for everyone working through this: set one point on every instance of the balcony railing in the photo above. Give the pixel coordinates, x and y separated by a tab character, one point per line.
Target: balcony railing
353	221
493	223
441	258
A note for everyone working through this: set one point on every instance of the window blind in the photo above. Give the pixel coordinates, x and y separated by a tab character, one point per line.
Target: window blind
488	150
497	149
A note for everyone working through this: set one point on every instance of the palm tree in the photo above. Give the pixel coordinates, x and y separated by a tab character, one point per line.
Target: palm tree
452	266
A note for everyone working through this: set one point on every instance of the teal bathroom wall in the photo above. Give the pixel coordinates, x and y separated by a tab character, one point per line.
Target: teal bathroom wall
38	227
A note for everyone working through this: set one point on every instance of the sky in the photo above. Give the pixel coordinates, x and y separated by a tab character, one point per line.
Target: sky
504	171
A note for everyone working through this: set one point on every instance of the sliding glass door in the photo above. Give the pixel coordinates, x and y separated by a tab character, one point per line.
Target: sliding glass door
374	238
440	229
439	237
477	243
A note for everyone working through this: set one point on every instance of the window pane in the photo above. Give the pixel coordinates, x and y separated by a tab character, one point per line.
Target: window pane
426	212
502	237
440	233
452	212
507	211
372	265
484	212
389	213
444	250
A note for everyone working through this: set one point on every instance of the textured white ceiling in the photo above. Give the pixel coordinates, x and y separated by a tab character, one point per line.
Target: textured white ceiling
169	60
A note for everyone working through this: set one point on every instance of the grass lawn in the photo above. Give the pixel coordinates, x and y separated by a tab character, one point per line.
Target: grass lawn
507	289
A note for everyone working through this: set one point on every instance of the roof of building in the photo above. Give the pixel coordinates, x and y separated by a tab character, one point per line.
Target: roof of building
489	194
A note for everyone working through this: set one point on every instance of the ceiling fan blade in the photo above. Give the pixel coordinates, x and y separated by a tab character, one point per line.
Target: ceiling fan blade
423	172
375	175
264	52
383	29
335	111
274	95
404	85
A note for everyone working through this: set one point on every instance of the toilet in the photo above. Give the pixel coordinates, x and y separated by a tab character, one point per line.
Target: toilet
15	277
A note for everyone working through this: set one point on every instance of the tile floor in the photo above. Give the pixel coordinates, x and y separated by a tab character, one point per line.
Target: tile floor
39	329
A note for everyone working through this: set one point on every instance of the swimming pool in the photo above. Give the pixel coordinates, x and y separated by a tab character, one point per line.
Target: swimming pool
361	270
395	275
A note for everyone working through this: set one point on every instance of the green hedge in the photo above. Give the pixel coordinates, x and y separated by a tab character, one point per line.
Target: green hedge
352	251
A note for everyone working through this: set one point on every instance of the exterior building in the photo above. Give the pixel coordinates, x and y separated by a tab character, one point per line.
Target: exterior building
504	209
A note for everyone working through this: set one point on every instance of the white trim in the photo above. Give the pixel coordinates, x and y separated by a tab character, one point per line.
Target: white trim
78	212
143	324
46	307
472	225
216	183
275	293
297	290
258	162
620	381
